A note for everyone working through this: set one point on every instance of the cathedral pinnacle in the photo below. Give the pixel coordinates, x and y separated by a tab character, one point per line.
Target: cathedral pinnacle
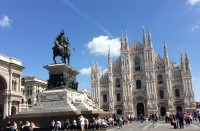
122	42
149	38
187	61
165	49
126	40
144	36
182	63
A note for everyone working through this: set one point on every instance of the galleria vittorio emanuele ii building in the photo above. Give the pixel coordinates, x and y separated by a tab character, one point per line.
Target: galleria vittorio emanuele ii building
140	81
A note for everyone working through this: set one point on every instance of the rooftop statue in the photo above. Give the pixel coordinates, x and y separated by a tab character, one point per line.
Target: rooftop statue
61	48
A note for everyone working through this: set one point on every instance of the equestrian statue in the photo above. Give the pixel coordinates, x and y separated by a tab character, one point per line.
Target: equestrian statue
61	48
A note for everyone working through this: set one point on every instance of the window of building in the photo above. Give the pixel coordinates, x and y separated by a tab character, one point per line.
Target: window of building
160	79
29	102
117	82
161	94
104	98
137	64
27	93
118	97
31	92
138	84
177	93
22	101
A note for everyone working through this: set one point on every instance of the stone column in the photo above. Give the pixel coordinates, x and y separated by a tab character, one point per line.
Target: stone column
9	107
19	84
19	107
5	107
10	81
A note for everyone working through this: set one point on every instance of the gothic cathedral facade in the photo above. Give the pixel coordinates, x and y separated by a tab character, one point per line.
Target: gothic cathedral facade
142	82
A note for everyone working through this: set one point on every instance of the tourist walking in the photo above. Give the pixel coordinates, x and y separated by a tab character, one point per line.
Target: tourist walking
198	114
120	122
180	116
53	124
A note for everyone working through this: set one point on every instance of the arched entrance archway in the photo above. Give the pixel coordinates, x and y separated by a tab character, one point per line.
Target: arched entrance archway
179	108
2	84
162	111
3	87
140	109
119	112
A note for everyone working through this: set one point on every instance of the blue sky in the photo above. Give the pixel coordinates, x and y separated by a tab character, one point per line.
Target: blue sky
28	30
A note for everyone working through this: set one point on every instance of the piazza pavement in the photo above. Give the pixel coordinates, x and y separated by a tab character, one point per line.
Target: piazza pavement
159	126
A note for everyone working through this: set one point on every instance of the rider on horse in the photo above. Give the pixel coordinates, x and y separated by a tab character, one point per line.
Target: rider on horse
62	40
61	47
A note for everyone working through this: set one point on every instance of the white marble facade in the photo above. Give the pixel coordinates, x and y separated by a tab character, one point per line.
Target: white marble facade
140	81
16	92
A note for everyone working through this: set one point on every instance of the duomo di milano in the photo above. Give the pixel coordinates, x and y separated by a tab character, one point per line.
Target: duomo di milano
139	82
142	82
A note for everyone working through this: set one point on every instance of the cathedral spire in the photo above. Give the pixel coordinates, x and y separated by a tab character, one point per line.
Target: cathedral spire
187	61
109	56
144	36
109	61
165	49
126	40
122	41
182	63
149	38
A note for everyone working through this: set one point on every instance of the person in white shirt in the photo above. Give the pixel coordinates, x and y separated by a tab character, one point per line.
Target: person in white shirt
82	123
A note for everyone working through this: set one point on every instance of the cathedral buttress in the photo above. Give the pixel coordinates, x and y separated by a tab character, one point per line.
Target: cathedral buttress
110	83
189	100
168	80
126	79
151	92
95	84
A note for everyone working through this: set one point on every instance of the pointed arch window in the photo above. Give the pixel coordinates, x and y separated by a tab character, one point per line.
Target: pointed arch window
137	64
138	84
117	82
161	94
118	97
104	98
177	93
160	79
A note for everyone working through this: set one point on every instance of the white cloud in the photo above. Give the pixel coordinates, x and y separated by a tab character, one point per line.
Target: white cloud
5	22
105	70
193	2
99	46
85	71
195	28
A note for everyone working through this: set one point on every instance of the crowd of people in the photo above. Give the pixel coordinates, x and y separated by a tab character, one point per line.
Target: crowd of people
83	123
178	119
27	126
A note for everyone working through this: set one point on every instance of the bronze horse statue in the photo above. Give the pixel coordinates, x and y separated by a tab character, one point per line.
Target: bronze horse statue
62	51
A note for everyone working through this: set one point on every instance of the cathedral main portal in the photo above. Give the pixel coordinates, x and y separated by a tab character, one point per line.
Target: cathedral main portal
140	109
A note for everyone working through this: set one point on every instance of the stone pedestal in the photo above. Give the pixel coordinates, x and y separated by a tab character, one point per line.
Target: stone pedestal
62	76
62	100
